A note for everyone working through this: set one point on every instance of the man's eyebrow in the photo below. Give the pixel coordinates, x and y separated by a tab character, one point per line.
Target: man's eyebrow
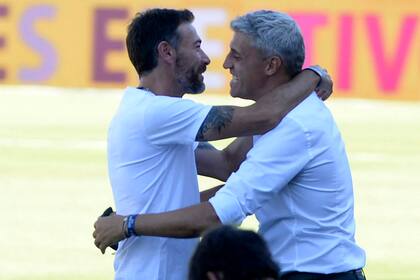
233	50
198	41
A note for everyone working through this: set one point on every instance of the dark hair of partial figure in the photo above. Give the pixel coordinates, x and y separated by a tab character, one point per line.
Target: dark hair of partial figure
235	254
147	30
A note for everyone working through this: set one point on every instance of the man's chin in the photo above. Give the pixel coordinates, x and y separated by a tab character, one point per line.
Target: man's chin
197	89
196	92
234	93
241	95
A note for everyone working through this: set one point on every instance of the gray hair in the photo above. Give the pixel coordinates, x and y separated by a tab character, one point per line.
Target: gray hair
274	34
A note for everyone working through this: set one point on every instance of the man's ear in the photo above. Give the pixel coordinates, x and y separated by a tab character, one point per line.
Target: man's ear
166	52
273	65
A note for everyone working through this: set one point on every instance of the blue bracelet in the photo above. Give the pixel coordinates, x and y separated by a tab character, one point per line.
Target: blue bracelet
131	224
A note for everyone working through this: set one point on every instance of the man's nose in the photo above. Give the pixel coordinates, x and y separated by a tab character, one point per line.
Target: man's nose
227	63
206	59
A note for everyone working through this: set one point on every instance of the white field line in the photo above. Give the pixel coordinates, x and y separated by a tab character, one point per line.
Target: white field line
370	157
101	145
54	91
54	144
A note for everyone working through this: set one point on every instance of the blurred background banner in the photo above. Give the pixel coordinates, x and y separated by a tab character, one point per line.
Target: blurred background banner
53	167
371	47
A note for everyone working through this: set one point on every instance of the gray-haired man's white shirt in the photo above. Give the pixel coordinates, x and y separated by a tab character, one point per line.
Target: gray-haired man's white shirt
296	180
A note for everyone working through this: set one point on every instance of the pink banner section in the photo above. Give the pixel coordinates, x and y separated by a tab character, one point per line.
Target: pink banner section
389	69
345	56
370	53
309	23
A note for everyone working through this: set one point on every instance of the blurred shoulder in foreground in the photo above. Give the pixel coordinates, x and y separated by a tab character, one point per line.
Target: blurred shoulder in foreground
228	253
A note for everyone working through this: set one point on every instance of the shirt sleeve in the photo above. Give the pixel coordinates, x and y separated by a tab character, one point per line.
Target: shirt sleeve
275	159
170	120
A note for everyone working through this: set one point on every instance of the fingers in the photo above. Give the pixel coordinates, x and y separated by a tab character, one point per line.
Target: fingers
108	231
103	248
322	93
325	88
97	243
100	243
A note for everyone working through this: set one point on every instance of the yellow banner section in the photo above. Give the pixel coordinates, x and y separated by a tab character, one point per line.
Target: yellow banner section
371	47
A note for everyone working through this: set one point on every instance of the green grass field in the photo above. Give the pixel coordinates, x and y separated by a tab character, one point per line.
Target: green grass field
53	181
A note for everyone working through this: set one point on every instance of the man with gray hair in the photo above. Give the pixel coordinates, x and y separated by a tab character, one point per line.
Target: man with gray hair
296	178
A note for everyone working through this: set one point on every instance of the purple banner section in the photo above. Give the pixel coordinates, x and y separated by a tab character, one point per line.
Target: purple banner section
103	45
42	46
3	13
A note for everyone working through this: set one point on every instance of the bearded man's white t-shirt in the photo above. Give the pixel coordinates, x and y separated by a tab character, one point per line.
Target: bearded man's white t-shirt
152	169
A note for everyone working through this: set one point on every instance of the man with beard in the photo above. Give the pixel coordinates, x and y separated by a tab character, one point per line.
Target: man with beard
296	178
151	140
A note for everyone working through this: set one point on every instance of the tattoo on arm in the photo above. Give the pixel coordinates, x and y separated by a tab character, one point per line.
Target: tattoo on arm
217	118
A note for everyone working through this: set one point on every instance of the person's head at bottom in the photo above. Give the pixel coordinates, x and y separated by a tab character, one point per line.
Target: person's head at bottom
227	253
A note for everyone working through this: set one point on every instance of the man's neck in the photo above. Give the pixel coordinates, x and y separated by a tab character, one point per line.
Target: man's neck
161	83
271	84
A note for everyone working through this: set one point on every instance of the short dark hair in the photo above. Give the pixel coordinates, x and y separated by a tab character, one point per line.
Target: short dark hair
147	30
237	254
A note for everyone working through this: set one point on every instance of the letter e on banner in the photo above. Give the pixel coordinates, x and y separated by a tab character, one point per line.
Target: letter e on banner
102	45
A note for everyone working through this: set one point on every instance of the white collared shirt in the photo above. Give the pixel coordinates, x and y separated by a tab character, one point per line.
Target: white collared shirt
152	169
296	180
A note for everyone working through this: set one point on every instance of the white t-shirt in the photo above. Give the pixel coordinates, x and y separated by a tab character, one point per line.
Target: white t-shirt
152	169
297	181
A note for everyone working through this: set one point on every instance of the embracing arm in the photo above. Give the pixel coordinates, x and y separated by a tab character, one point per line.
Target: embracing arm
246	191
219	164
186	222
258	118
182	223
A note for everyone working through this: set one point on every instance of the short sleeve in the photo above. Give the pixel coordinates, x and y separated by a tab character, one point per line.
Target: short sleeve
169	120
275	159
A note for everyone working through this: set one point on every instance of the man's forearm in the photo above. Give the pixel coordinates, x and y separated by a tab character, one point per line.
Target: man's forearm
271	108
182	223
279	102
211	162
219	164
232	121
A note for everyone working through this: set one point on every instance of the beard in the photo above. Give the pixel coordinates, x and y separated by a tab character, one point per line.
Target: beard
189	79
